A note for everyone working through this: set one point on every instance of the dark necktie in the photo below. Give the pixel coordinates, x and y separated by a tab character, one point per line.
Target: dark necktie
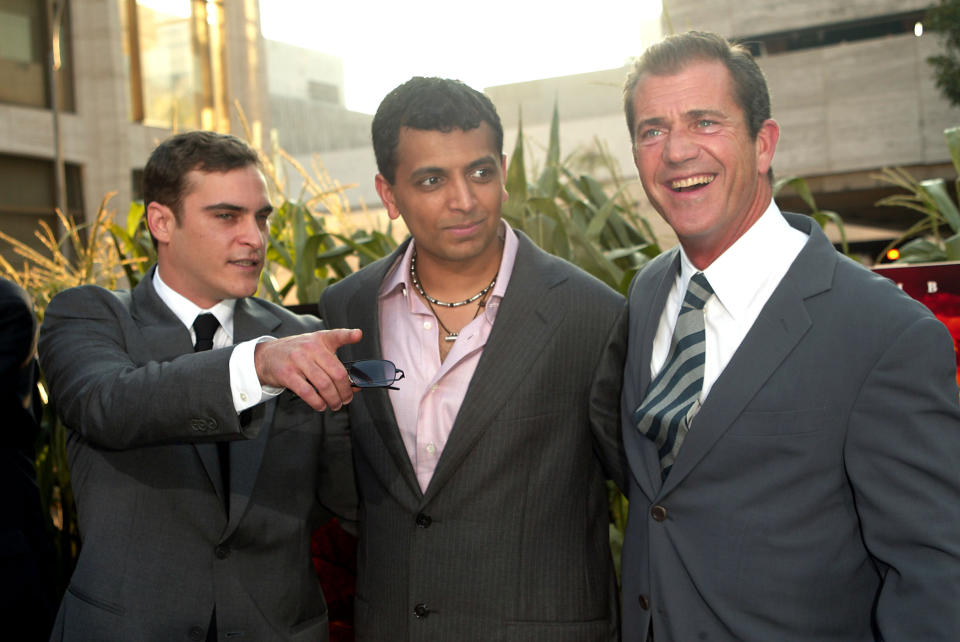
205	325
672	400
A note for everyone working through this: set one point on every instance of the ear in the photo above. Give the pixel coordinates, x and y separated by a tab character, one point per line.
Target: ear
503	177
387	197
766	144
161	221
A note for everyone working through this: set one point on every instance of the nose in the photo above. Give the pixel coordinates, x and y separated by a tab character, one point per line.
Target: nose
251	233
461	195
679	148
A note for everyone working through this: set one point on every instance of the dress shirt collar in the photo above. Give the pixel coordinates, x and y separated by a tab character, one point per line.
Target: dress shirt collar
186	310
734	276
399	275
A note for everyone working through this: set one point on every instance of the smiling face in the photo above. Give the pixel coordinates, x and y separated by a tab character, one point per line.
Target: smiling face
698	164
215	250
448	188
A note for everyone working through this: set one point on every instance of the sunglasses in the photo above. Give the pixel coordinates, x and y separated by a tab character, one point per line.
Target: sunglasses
373	373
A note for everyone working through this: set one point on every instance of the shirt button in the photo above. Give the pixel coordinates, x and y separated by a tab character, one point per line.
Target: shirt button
659	513
431	448
427	325
424	521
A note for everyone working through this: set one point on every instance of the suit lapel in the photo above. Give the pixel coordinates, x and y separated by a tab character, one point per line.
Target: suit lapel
532	308
167	338
644	457
249	322
364	307
780	326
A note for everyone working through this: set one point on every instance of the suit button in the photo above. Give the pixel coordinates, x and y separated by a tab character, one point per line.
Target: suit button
659	513
222	552
196	633
424	521
421	611
644	602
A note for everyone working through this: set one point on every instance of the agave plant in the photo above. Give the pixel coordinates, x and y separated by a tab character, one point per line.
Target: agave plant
573	217
932	199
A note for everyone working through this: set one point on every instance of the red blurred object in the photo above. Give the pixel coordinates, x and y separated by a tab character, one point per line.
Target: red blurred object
335	561
937	286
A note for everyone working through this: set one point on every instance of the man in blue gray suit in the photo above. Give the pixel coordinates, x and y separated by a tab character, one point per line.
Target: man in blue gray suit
790	419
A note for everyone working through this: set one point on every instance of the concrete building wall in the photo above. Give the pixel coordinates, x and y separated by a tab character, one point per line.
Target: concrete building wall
99	136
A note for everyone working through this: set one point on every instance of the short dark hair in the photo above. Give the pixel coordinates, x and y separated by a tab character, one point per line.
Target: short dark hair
673	53
164	177
430	104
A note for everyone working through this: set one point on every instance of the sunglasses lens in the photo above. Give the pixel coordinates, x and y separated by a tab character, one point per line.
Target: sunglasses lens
372	373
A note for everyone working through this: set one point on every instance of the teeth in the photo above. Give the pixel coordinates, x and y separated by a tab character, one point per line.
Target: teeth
684	183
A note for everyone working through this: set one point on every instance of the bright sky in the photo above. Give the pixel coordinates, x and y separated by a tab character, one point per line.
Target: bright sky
492	42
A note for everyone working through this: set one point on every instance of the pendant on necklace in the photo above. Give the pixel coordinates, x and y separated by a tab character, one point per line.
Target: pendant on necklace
452	336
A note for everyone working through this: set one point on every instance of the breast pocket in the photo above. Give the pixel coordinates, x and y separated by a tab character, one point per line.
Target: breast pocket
775	423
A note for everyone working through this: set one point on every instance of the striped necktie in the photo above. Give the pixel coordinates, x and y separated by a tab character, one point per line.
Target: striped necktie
665	414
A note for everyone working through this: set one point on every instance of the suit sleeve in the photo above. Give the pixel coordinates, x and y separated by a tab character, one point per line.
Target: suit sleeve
903	460
605	403
106	387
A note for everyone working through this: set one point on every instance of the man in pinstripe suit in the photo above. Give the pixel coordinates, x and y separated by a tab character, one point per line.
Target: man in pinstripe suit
483	504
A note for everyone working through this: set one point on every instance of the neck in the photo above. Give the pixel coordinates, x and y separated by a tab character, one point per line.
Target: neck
457	280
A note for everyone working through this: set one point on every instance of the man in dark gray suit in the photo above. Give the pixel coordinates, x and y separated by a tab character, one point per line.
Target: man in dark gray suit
196	454
483	505
803	480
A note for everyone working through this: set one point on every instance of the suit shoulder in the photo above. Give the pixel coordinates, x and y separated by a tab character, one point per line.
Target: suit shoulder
873	293
88	299
298	322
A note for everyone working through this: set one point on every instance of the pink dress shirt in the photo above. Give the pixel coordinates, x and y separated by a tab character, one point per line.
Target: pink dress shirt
431	392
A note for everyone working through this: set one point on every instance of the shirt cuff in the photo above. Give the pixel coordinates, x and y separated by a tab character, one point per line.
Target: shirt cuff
244	383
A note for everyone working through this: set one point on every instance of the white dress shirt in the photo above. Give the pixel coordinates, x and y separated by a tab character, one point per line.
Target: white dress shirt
245	386
742	278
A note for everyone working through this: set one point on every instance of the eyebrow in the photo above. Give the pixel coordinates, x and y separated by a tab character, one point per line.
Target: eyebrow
693	114
231	207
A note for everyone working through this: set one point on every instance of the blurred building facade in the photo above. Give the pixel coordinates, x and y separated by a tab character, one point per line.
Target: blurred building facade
850	87
131	72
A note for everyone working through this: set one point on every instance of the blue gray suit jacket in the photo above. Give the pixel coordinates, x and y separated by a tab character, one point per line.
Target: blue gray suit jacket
817	495
143	413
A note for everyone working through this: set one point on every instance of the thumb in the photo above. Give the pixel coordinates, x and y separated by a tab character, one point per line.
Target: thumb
341	337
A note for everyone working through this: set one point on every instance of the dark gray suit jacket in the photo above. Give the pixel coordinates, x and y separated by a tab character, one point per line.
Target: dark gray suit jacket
143	412
817	495
510	539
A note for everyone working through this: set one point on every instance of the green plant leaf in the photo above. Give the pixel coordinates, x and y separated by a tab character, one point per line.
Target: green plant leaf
937	189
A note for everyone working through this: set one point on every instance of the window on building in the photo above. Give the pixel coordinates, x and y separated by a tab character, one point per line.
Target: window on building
27	197
825	35
174	62
323	91
28	46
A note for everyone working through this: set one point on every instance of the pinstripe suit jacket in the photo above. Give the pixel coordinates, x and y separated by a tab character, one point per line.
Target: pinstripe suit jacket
510	539
142	412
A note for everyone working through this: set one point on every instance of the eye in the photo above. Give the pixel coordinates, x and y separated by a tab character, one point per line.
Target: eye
483	174
226	216
649	133
263	220
430	182
705	123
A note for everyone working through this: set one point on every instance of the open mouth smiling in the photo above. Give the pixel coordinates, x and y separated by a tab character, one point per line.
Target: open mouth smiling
690	183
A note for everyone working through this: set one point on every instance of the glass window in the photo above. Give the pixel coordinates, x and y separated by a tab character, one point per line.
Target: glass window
25	45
